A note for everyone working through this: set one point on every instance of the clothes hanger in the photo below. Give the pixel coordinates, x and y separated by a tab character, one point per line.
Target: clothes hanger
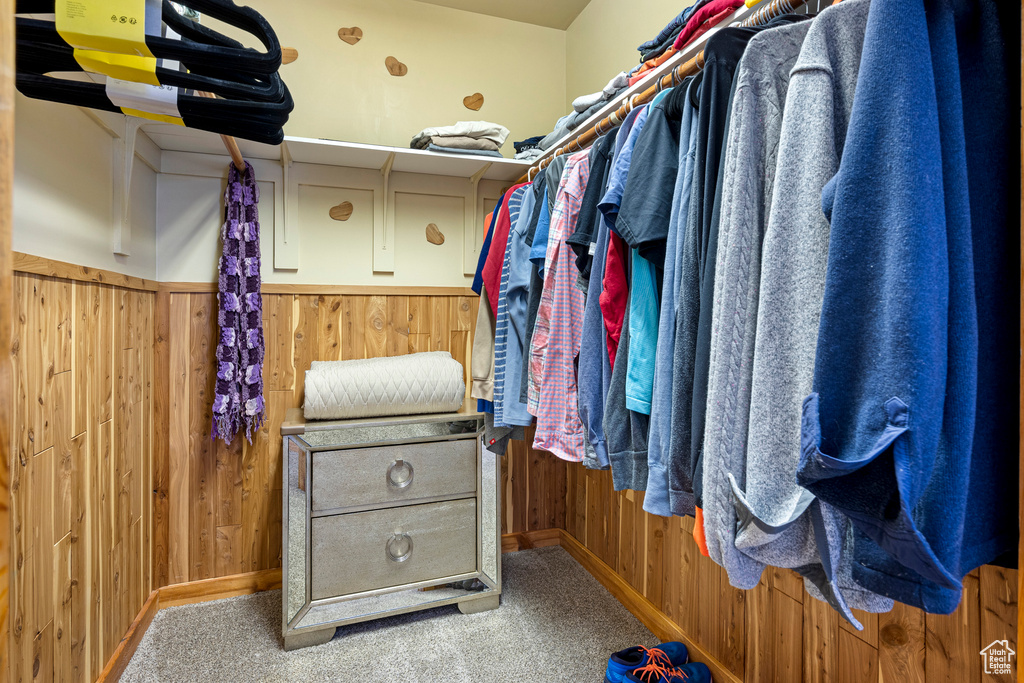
198	46
257	102
257	121
37	58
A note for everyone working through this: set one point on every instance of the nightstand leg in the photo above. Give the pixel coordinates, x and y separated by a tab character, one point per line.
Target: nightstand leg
300	640
479	605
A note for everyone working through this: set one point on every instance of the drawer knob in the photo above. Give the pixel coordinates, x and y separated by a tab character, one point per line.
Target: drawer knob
399	548
400	474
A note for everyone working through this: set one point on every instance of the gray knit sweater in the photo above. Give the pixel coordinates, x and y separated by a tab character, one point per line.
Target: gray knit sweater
762	78
779	522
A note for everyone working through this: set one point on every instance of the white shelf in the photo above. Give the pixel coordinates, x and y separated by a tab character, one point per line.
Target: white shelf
649	79
345	154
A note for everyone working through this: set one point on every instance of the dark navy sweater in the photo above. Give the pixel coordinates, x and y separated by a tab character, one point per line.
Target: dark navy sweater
912	428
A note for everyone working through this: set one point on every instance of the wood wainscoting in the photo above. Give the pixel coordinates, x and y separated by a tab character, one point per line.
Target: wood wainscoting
218	508
118	490
776	633
82	442
7	71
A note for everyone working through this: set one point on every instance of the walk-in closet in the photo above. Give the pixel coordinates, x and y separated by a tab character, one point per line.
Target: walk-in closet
445	340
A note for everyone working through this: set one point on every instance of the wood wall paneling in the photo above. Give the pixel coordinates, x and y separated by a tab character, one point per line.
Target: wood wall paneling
82	356
776	633
222	503
7	309
112	369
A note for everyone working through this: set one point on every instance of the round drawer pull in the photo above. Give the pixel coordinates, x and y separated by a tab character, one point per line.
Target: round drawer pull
400	474
399	548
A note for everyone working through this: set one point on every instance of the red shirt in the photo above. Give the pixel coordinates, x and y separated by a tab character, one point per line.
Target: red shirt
615	296
496	255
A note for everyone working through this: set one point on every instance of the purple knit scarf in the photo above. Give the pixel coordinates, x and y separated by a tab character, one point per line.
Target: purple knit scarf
238	398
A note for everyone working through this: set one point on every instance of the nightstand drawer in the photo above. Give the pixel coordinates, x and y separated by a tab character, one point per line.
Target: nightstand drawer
364	551
391	474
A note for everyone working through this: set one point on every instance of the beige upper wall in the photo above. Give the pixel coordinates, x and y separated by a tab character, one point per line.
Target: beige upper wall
541	12
602	41
63	191
527	73
64	172
344	92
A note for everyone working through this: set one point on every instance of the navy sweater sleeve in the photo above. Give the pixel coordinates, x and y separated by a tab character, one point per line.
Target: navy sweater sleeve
887	434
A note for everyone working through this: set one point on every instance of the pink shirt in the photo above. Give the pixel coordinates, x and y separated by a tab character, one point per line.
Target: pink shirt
556	338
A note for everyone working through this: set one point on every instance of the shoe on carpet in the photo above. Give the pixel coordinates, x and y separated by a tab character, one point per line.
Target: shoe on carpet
696	672
666	655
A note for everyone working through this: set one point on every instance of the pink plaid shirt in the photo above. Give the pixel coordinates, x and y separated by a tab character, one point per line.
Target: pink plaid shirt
556	338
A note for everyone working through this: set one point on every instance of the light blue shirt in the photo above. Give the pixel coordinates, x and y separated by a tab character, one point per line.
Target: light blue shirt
656	500
514	301
520	204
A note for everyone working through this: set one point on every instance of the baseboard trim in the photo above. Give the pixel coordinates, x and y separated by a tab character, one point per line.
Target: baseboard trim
526	540
643	609
205	590
118	661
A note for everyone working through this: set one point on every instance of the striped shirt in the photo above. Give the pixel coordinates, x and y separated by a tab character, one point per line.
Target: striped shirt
556	338
515	203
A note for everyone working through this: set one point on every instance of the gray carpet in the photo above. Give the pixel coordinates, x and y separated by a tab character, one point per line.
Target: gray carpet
555	623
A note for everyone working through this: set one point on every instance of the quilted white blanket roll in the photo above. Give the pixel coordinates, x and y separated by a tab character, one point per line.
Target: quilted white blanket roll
417	383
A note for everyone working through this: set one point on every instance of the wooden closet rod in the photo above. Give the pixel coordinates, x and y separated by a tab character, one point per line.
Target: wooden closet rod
229	142
762	16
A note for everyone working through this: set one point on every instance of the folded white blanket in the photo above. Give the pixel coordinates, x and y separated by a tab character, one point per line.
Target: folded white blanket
431	382
495	132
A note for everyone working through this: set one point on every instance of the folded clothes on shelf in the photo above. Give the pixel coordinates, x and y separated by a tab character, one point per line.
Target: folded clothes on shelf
481	130
671	28
464	142
529	154
528	143
585	102
457	150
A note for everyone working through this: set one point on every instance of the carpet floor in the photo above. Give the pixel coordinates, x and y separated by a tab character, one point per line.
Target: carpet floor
555	623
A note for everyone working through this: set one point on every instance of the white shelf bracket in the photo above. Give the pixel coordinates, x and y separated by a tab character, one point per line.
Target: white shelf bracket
384	232
472	239
286	236
124	160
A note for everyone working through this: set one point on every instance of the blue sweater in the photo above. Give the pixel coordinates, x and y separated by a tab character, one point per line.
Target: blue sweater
888	434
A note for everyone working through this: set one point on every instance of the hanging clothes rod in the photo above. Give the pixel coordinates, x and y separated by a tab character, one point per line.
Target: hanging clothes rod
230	144
774	9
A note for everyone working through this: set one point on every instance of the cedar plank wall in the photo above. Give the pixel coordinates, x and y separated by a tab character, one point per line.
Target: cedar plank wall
223	511
218	508
81	470
776	632
6	316
82	401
